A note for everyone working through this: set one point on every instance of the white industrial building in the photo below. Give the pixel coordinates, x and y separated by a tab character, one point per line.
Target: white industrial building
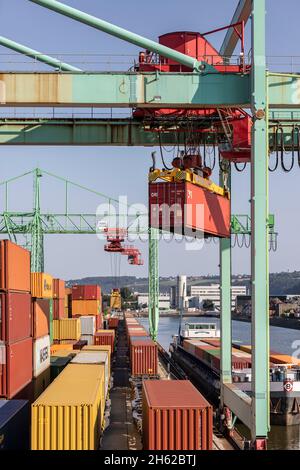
212	293
163	301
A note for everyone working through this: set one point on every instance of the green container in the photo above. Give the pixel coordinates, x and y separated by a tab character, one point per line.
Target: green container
57	365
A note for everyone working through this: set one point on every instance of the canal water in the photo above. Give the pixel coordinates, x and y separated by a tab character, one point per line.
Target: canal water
282	340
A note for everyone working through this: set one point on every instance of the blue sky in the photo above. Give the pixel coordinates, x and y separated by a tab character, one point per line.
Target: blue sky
115	171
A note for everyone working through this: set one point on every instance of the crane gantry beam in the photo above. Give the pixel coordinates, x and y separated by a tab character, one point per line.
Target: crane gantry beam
126	132
143	90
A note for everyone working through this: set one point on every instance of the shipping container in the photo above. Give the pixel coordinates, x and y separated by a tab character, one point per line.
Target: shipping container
103	337
14	267
100	347
143	357
36	387
15	316
188	209
88	338
175	416
78	391
41	285
59	309
56	348
80	344
15	367
88	325
113	322
57	365
41	355
86	292
67	329
41	317
58	289
85	307
95	357
14	425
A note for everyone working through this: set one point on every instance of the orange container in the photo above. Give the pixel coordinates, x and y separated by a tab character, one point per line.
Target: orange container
58	289
40	317
60	347
14	267
41	285
175	416
85	307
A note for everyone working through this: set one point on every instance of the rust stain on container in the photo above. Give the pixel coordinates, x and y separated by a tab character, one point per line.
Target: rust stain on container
14	267
175	416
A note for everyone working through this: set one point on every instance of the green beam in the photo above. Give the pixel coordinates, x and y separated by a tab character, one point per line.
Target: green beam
128	89
45	59
143	90
117	132
120	33
259	217
225	298
242	13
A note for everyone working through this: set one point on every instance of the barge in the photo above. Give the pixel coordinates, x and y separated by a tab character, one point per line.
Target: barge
197	351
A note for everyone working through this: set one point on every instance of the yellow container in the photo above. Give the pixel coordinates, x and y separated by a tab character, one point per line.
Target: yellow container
65	353
55	348
104	347
67	329
115	300
69	414
85	307
41	285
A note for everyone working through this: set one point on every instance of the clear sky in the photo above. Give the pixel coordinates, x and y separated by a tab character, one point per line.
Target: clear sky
115	171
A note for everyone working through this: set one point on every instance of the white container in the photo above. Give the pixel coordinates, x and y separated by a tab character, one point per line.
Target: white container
88	324
88	338
94	357
41	355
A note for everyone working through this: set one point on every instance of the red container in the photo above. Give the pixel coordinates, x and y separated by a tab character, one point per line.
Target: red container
14	267
15	367
188	209
59	289
113	322
40	317
59	309
15	316
143	357
86	292
105	338
175	416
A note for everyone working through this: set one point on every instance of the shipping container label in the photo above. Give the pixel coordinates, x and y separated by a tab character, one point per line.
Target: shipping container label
44	354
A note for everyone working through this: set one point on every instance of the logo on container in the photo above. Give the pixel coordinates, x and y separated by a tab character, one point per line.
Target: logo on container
44	354
47	286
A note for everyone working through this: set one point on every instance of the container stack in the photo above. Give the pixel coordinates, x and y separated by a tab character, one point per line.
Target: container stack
59	299
42	289
15	320
68	302
87	300
80	388
143	351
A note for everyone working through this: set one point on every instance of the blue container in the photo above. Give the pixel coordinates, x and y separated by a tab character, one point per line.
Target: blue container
14	425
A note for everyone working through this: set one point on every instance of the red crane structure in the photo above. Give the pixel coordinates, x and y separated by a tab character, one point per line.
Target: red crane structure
116	238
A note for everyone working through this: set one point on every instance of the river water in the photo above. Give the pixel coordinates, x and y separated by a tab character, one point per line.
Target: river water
282	340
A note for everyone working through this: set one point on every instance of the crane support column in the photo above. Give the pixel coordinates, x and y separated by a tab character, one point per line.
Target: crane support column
37	235
259	232
153	307
225	316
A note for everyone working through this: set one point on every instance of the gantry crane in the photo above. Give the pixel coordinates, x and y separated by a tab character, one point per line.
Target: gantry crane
273	126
